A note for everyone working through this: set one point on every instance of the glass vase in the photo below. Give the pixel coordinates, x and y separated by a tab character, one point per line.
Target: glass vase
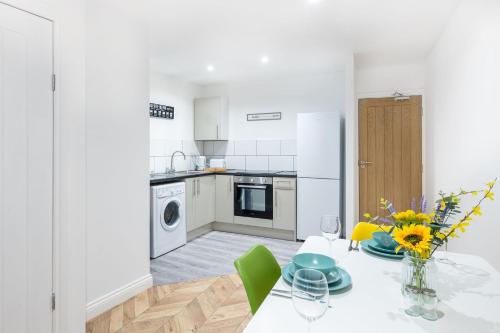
418	286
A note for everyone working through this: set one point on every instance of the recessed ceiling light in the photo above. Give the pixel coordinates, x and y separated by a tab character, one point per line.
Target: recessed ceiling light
210	68
264	60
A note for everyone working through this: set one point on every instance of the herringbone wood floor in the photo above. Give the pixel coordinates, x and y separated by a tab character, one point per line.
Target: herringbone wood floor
216	304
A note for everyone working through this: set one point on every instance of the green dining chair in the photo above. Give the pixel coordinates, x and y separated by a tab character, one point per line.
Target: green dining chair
259	271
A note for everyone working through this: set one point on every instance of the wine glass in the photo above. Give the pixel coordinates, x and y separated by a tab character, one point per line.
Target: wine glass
330	229
310	294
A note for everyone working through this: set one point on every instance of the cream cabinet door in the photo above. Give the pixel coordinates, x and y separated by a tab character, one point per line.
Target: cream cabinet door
285	204
205	200
191	204
224	199
210	118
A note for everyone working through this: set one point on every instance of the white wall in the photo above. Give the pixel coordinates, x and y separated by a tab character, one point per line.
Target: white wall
462	117
168	135
117	68
170	91
384	80
288	95
69	151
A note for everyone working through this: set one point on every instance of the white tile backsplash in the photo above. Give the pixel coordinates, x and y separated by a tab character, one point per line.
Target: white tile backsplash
257	162
281	163
245	147
268	147
288	147
223	148
273	155
208	148
235	162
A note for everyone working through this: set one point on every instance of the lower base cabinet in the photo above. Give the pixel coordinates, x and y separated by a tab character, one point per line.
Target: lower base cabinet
200	201
285	204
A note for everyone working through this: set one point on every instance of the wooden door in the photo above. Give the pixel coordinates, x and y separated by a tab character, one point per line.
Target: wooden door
26	155
390	153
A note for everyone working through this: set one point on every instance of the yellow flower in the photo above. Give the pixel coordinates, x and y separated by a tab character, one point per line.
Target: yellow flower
477	211
491	184
415	238
442	205
489	195
423	217
367	215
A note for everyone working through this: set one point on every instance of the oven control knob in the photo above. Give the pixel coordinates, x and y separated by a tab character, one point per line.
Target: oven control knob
251	180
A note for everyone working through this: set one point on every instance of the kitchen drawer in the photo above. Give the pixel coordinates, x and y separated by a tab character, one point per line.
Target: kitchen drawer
284	183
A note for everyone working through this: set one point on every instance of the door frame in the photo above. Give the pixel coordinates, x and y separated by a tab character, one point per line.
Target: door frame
386	94
69	238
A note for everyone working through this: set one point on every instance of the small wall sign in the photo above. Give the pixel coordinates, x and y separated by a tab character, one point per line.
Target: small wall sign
161	111
264	116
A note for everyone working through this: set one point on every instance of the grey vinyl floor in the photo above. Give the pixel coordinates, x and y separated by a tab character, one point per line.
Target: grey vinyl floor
213	254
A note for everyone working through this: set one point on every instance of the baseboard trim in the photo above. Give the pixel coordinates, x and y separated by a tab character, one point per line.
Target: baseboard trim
118	296
254	231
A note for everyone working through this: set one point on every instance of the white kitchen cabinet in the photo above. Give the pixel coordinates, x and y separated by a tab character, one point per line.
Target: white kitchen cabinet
200	201
211	118
285	203
224	199
205	200
190	203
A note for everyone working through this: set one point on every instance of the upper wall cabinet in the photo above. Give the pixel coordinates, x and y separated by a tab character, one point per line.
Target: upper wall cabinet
211	118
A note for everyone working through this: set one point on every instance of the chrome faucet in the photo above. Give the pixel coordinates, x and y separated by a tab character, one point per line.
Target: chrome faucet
172	169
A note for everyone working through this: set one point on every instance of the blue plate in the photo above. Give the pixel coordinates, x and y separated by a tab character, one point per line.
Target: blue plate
375	246
365	246
344	285
332	277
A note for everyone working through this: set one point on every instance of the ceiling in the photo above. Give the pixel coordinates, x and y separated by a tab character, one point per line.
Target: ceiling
297	36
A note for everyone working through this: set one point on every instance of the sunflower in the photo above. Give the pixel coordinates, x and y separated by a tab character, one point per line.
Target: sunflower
414	238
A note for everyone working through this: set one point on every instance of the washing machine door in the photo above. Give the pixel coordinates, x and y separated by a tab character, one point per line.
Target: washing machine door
171	215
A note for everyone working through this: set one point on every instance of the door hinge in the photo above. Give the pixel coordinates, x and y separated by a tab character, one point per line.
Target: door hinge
53	82
53	301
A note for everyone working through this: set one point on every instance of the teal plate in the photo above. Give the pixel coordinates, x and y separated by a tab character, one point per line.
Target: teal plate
332	277
365	246
374	246
344	285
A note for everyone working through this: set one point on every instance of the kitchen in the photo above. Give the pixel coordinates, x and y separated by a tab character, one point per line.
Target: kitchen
242	175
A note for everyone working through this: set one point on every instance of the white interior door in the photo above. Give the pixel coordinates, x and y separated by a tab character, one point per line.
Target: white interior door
26	150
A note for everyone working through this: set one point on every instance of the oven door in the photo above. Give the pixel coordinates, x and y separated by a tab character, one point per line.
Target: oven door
252	200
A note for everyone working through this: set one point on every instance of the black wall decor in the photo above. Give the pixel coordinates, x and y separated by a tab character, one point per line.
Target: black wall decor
161	111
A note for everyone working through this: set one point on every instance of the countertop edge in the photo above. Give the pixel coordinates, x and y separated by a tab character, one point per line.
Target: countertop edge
180	177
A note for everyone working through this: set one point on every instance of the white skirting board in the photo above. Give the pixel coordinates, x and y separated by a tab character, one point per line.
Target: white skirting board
118	296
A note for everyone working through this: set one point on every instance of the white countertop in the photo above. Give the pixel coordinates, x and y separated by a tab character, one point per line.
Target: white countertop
469	294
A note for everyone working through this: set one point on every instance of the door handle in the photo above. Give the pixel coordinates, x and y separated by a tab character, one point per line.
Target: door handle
217	128
198	186
364	164
275	198
194	187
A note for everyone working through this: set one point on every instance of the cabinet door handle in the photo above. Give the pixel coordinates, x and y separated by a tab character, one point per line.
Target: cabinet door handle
275	198
194	187
198	186
217	129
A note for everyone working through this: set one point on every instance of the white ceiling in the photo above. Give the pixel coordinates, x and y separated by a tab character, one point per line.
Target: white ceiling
298	36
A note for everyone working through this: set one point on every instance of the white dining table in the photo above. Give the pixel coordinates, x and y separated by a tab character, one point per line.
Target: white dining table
468	291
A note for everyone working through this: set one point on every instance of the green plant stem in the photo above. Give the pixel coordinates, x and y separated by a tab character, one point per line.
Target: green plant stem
445	239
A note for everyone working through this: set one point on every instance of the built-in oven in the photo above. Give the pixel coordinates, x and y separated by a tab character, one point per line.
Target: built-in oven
253	197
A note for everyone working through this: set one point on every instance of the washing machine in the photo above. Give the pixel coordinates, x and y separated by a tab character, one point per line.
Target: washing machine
168	218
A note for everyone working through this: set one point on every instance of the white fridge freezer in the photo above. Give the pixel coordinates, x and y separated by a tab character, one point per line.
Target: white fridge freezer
318	170
318	145
315	197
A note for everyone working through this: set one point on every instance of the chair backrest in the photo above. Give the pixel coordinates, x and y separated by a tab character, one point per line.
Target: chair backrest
259	271
364	230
